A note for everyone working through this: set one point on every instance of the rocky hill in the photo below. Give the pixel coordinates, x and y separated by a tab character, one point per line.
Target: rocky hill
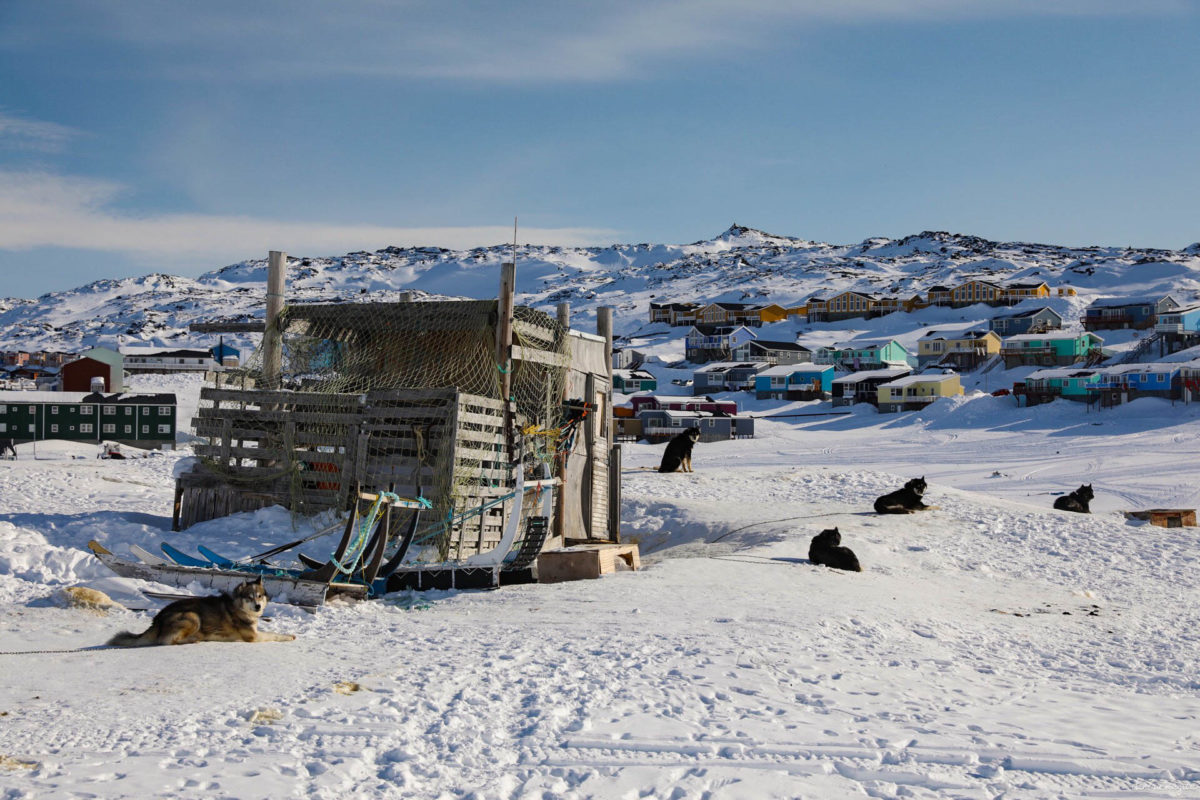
740	264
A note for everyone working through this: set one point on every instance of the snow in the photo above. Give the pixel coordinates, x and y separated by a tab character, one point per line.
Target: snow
993	647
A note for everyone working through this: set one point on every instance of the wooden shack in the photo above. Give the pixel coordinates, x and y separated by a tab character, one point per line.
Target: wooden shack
437	399
1167	517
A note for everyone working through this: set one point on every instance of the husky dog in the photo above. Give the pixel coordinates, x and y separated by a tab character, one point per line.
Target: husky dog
904	501
678	455
7	450
220	618
1076	501
825	551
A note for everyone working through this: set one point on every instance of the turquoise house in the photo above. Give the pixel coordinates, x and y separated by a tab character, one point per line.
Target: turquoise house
794	382
1069	383
1055	349
628	381
863	354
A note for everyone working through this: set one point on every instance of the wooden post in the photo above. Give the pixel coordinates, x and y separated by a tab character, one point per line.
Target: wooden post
604	327
272	338
558	527
564	315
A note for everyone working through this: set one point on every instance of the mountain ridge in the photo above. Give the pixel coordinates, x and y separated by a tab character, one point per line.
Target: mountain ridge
740	264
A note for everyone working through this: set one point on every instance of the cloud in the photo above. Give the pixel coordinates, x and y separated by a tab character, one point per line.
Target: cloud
541	41
44	210
27	134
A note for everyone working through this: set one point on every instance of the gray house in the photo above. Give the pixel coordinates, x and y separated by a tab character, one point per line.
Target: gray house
661	424
727	376
1035	321
863	387
772	352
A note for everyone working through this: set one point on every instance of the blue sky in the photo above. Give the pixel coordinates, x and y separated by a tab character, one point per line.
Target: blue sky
177	137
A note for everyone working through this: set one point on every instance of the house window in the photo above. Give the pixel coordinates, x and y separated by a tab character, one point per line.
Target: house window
109	428
164	411
128	411
86	427
85	409
53	409
54	429
3	427
110	411
164	428
145	410
32	410
145	429
129	429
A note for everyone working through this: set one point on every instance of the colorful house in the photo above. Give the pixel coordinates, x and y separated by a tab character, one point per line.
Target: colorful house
794	382
964	350
1031	321
912	392
727	376
939	295
976	291
674	314
138	420
863	387
628	381
863	354
1178	328
1050	349
846	305
1126	312
644	402
1016	292
707	342
1045	385
1124	382
772	352
99	362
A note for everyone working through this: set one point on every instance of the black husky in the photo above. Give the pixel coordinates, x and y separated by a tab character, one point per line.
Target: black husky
1077	500
904	501
825	551
678	455
6	449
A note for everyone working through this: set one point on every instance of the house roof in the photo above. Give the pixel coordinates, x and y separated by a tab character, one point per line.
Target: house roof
1061	372
1151	368
726	366
939	288
766	345
1026	285
886	372
142	351
1134	300
16	396
1030	313
863	344
792	369
103	355
1056	336
909	380
975	333
627	374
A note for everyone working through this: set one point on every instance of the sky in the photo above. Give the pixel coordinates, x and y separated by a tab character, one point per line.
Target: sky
149	136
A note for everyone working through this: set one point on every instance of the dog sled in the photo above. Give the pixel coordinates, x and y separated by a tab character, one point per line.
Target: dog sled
359	566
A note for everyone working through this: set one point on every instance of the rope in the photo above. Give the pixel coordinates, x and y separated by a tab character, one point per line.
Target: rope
44	652
769	521
354	554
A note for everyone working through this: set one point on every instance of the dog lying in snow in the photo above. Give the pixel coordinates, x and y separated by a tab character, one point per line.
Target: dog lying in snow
904	501
220	618
1077	500
825	550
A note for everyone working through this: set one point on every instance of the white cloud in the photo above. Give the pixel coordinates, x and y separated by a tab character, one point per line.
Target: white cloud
42	210
29	134
522	41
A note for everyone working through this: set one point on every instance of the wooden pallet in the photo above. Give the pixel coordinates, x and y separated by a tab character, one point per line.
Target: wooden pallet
585	561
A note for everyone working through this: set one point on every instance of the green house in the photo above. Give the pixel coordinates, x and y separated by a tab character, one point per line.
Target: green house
628	381
1049	349
864	355
138	420
1070	383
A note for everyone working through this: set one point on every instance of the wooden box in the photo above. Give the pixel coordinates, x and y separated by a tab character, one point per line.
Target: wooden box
585	561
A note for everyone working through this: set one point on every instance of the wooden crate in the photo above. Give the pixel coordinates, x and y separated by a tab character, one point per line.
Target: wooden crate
585	561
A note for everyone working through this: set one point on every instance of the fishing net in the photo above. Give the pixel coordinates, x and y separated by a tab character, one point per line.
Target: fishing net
392	396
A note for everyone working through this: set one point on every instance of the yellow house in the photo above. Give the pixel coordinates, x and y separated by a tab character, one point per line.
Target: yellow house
976	291
849	304
964	349
1016	292
772	312
916	391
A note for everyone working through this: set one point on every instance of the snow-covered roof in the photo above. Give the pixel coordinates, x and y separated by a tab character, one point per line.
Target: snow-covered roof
1060	372
1056	335
862	344
1136	300
626	374
973	333
725	366
17	396
855	377
909	380
791	369
1030	313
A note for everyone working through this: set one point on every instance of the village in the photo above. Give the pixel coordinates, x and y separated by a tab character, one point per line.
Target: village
732	348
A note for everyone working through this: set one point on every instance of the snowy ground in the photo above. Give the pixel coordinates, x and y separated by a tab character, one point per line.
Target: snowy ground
992	648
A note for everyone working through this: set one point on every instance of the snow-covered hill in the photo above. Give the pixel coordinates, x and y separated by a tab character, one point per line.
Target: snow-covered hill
741	264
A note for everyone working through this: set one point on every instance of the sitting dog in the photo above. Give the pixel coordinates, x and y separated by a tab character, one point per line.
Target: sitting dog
7	450
1076	501
678	455
220	618
904	501
825	551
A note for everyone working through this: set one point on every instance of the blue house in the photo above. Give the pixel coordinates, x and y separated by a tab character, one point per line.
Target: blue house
1125	382
1178	329
794	382
1126	312
628	381
225	355
1037	320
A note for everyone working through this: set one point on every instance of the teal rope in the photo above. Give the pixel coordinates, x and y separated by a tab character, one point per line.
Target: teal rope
354	556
